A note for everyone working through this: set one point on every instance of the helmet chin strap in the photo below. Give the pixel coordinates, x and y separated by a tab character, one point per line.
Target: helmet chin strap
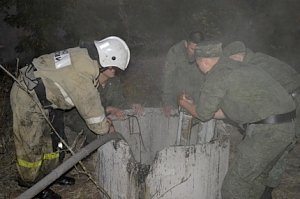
102	69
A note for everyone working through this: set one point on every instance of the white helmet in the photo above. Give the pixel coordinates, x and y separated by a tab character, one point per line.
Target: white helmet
113	51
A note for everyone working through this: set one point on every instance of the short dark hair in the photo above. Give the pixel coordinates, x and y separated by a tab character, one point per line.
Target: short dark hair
195	37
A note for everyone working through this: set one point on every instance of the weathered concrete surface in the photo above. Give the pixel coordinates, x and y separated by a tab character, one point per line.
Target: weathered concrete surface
152	132
194	171
112	172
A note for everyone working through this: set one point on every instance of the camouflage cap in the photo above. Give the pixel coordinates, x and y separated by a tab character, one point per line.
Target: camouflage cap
209	49
234	48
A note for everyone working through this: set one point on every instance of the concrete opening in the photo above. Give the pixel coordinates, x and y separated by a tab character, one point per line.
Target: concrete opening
148	164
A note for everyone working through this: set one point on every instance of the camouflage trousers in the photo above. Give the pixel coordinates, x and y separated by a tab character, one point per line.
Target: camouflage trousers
260	157
34	150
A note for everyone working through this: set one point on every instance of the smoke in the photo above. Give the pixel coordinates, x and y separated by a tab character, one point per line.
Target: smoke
151	27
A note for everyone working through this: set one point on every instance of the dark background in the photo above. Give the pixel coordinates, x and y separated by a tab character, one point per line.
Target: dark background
150	27
34	27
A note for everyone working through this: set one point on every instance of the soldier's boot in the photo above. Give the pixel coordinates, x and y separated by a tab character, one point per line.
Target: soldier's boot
267	193
65	180
47	194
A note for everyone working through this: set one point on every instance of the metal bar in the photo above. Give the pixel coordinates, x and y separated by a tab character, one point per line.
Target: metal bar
179	127
65	166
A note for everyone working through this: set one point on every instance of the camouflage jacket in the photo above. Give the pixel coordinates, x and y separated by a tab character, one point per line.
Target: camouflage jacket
280	71
244	93
180	75
112	93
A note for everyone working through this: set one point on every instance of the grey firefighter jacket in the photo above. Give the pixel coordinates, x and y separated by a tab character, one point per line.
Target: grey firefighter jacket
245	94
69	77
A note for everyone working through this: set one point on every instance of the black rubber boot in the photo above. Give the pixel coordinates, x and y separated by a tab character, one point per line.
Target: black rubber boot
64	180
267	193
22	183
47	194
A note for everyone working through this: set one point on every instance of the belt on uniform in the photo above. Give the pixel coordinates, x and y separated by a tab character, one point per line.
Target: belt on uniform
276	119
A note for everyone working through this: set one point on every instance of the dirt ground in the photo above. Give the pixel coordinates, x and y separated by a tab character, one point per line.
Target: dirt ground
84	188
144	90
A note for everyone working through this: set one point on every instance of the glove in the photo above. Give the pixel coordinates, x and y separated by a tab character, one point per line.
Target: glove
102	127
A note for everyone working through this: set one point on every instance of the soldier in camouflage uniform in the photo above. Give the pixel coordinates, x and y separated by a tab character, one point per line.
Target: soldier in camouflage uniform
58	81
252	98
280	71
112	96
180	73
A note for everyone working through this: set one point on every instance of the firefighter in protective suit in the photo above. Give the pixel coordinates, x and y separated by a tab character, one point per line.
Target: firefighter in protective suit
57	82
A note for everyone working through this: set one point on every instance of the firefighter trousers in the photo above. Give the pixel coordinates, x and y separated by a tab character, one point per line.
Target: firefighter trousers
32	137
